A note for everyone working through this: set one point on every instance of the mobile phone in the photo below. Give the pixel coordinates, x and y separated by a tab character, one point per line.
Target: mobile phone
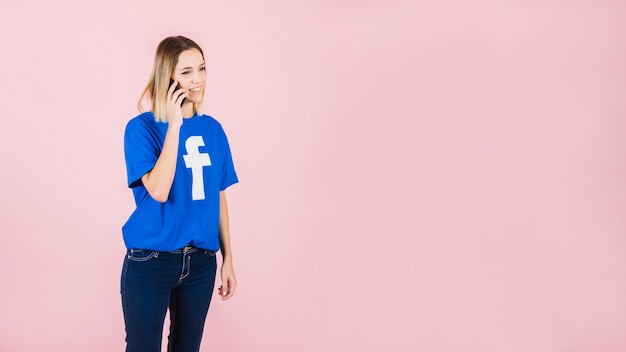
177	87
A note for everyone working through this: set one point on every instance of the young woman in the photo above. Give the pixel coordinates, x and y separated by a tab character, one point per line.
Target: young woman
179	164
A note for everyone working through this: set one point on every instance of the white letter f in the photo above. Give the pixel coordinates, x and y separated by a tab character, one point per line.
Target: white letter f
195	161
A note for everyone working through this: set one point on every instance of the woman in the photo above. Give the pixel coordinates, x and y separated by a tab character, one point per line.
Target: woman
179	164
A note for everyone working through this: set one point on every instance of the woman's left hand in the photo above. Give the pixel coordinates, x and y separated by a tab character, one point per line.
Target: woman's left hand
229	282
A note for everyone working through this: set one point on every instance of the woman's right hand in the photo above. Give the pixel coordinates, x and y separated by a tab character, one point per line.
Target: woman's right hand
158	181
173	105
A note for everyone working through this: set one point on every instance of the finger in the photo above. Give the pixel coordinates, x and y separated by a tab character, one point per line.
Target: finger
171	89
230	284
181	94
229	295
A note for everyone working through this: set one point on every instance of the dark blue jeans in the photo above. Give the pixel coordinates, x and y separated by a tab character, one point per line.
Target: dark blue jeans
154	281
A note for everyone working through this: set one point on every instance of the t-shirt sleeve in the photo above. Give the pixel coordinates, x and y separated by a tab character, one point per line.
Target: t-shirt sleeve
229	176
141	152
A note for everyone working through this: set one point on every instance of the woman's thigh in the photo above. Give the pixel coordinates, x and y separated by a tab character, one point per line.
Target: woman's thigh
148	278
190	301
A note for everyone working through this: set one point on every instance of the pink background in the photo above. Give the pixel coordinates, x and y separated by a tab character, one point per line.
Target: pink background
415	175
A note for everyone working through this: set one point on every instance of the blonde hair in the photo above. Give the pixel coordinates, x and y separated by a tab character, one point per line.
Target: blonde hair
165	61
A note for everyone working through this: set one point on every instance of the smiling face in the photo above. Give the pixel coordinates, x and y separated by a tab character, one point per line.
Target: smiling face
190	72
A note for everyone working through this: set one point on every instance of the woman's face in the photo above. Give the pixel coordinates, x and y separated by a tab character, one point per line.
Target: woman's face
190	72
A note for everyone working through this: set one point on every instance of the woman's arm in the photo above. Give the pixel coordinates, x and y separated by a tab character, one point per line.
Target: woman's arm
229	282
158	181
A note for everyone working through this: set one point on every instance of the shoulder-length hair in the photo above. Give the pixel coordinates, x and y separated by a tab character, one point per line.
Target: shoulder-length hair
165	61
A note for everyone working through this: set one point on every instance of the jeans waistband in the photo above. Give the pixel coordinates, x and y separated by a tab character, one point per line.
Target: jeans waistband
186	249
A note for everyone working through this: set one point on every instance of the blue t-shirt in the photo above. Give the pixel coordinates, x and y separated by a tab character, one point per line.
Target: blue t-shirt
190	216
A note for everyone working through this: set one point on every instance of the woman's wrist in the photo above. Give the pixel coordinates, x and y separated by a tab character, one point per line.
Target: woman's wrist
227	258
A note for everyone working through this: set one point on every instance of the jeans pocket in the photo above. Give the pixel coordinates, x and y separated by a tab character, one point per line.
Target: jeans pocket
140	255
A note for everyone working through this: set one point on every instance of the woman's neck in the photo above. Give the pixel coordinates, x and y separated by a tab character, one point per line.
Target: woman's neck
188	110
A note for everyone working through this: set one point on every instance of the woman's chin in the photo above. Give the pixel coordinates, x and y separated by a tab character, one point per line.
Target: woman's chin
191	101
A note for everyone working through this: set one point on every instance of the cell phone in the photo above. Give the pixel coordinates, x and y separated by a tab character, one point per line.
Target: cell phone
177	87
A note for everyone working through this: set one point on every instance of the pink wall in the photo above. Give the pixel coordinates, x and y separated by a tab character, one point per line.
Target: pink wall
415	175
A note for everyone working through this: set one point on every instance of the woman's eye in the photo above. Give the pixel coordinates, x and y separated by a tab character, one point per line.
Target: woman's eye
202	68
185	72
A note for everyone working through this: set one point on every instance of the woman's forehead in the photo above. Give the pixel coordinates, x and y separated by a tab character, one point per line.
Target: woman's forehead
190	58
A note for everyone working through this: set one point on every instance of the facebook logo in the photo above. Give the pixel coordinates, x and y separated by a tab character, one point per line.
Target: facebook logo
195	161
